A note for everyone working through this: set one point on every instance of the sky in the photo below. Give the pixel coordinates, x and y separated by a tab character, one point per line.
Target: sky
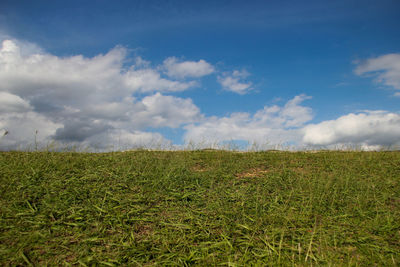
116	75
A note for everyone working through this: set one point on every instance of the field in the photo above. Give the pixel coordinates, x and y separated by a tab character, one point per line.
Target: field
204	208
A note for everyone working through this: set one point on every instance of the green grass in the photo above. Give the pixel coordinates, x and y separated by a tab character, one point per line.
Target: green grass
200	208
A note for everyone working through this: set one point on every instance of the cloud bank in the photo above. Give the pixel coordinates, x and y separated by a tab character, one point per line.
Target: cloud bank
105	103
270	125
367	129
85	100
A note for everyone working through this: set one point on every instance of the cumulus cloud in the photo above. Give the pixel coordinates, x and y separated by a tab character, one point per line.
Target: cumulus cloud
149	80
120	139
369	129
82	100
168	111
22	127
272	124
184	69
103	103
12	103
66	78
386	68
232	82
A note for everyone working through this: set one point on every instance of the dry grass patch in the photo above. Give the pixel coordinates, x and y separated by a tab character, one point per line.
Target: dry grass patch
253	173
199	168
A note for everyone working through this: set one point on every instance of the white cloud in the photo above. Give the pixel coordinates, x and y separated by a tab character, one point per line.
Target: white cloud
125	140
168	111
386	68
294	114
103	76
149	80
22	127
185	69
77	99
232	82
367	129
102	103
273	125
12	103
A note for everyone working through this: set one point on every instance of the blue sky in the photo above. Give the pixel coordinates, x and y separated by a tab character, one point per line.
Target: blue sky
307	73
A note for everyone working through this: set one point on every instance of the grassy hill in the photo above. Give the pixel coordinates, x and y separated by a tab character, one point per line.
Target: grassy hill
200	208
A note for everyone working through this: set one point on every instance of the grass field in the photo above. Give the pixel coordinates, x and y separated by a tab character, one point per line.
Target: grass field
202	208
